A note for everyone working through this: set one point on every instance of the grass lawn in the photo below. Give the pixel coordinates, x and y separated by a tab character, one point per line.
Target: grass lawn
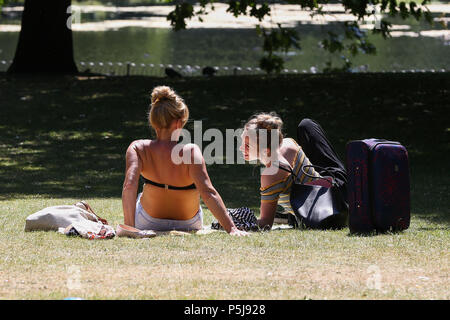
64	139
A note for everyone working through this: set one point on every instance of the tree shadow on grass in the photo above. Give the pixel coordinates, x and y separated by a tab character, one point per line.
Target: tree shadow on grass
67	137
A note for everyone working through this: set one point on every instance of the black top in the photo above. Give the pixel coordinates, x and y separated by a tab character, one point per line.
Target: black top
166	186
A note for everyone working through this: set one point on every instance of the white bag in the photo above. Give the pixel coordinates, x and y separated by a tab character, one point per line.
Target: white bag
53	218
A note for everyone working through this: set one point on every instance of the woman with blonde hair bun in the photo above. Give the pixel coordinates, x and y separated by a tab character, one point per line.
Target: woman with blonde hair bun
170	199
311	148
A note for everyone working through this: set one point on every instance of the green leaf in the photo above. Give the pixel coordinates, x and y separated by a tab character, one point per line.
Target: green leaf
271	63
178	16
260	12
383	29
428	17
404	13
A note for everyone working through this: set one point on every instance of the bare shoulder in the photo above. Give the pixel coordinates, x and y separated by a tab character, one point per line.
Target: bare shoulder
266	180
139	145
290	143
192	152
191	147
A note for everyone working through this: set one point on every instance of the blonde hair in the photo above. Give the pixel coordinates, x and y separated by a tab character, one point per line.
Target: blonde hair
268	121
165	107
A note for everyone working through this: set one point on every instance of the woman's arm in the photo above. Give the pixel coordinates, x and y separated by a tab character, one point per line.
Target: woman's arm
212	199
271	187
131	184
267	214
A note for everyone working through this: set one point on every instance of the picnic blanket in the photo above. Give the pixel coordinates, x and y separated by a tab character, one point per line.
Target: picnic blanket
244	219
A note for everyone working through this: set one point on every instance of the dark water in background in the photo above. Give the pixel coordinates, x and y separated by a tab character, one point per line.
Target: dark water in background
239	47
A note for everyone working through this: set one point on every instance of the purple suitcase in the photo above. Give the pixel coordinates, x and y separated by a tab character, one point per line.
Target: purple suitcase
378	186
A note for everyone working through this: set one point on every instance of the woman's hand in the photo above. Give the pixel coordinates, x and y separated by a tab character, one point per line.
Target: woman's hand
239	233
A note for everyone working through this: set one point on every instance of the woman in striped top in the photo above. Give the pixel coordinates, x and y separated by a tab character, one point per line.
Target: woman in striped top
276	184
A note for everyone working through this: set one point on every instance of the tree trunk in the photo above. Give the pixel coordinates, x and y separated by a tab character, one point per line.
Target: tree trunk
45	42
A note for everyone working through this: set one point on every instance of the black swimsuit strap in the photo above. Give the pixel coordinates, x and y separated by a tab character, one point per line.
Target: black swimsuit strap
288	169
166	186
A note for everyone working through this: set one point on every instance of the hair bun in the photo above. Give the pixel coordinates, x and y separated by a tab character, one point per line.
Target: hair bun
269	121
163	93
166	106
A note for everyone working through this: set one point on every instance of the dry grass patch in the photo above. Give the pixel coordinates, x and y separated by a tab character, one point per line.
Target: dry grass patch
282	264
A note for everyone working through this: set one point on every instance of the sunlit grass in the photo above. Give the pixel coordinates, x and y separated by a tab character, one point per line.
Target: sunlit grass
50	155
276	265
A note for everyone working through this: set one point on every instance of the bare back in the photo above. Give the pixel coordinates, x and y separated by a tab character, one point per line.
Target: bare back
157	165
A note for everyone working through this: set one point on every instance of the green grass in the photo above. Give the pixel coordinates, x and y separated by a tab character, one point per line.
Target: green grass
64	139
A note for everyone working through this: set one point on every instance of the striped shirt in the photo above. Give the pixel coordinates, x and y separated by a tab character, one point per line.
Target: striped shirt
280	190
